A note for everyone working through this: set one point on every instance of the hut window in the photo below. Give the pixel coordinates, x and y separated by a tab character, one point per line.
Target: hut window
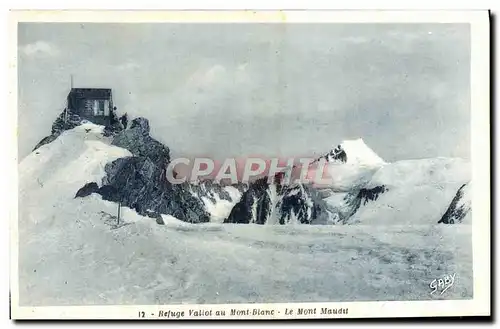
88	105
98	107
101	107
106	107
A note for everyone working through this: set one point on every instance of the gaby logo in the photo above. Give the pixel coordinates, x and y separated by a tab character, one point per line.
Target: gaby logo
442	284
231	170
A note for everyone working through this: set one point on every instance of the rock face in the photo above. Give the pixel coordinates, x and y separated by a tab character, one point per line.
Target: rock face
138	141
251	207
210	190
140	182
274	203
460	207
156	216
87	190
336	155
305	204
265	203
218	198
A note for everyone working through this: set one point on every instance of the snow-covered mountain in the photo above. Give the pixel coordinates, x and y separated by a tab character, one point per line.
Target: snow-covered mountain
348	166
353	152
403	192
351	164
362	187
364	190
136	179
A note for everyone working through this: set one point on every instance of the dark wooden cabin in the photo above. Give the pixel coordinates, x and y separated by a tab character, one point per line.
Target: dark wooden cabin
93	104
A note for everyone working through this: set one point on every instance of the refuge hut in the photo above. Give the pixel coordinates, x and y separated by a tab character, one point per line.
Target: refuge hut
92	104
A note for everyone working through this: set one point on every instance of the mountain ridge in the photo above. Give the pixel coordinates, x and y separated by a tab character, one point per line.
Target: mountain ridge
138	181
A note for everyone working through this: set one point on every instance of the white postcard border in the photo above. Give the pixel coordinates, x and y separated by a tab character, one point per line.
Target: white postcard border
480	150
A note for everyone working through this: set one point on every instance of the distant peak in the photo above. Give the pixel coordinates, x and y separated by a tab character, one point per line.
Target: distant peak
359	153
353	151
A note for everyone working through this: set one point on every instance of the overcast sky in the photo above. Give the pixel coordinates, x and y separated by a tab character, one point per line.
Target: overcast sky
232	90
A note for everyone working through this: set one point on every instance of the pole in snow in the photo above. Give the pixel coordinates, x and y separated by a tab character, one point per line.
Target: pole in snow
119	206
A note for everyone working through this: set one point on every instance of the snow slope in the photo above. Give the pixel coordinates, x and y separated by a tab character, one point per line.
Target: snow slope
416	191
75	258
51	175
345	177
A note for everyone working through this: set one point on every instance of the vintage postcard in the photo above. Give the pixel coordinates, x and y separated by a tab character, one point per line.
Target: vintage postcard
176	165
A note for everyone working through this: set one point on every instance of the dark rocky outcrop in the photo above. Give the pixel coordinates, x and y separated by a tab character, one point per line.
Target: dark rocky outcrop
209	189
87	190
253	197
138	141
459	207
139	182
371	194
355	199
282	203
241	187
336	155
303	202
156	216
297	203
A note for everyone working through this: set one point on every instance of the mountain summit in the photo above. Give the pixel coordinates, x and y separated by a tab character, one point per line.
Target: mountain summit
360	154
354	152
